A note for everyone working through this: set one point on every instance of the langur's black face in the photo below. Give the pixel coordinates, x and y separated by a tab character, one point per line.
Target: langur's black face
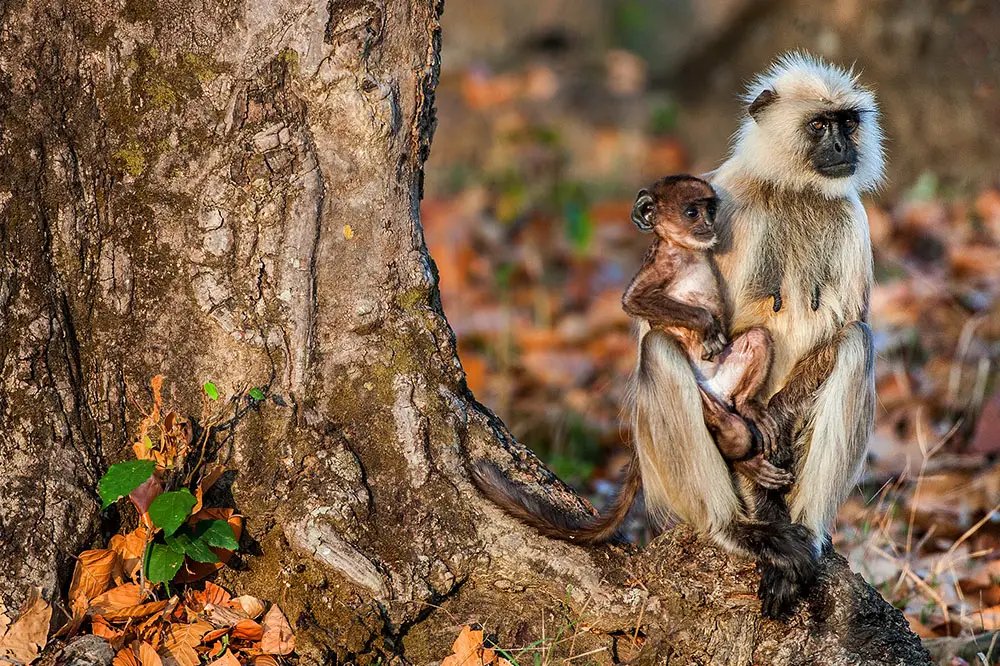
831	133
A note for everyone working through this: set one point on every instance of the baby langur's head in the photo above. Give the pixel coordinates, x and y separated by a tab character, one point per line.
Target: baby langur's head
679	210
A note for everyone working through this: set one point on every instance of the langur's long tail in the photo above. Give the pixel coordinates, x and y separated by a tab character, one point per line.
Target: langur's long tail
787	546
554	522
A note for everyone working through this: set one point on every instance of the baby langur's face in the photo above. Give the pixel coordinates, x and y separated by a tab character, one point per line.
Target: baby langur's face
679	210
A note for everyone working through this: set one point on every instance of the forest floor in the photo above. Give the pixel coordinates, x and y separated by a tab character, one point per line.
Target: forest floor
526	216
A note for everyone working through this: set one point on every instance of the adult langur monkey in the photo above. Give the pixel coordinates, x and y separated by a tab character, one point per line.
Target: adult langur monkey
795	257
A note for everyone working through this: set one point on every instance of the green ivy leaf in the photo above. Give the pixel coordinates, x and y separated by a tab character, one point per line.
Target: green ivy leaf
216	533
211	391
193	547
163	563
256	394
170	510
123	478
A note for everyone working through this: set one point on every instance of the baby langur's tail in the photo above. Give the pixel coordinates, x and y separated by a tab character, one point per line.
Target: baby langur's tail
553	522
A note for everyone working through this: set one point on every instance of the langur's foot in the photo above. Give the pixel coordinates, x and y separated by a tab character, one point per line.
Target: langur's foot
759	470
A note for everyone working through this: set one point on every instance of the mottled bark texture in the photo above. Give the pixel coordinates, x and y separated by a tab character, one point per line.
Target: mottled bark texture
230	191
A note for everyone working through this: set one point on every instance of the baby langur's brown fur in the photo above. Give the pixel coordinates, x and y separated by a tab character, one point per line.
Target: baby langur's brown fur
677	290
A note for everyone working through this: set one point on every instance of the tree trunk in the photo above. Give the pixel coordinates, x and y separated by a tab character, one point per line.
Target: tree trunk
230	192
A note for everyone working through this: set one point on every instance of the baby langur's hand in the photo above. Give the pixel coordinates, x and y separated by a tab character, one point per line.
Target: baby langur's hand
714	340
760	471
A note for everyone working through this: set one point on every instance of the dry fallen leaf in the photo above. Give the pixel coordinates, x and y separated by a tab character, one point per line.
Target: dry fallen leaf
100	627
26	636
130	547
277	635
123	596
227	659
252	606
248	630
137	611
470	651
264	660
140	653
93	574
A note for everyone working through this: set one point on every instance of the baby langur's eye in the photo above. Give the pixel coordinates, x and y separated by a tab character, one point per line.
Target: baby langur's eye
692	212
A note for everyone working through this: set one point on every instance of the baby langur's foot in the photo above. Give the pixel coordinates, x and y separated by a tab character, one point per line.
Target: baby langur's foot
760	471
713	340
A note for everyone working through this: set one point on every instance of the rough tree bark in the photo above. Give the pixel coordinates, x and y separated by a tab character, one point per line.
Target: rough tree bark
230	191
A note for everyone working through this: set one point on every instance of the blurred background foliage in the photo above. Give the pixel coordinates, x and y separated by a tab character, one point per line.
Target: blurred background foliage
552	113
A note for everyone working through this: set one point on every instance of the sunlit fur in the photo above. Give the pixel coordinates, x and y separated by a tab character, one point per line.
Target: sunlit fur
774	146
683	474
784	228
840	425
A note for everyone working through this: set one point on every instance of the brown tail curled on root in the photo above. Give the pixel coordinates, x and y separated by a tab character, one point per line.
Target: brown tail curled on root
553	522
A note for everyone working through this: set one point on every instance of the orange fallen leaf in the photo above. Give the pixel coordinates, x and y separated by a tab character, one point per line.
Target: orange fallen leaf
248	630
252	606
216	634
227	659
208	478
100	627
26	636
130	547
216	595
94	573
469	651
278	637
116	598
264	660
140	653
137	611
179	655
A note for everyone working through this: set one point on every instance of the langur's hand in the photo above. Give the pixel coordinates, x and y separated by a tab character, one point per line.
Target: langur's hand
713	339
766	425
769	434
760	471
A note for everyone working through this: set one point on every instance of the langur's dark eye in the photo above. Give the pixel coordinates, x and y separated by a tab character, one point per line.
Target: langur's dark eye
692	212
817	125
850	124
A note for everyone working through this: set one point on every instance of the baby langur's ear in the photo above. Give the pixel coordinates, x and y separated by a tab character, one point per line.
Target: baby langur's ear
642	211
762	102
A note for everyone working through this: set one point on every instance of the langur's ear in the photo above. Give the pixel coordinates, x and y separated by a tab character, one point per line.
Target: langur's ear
762	102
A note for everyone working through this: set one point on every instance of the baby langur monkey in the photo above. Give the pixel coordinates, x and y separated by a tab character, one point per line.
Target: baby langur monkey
678	291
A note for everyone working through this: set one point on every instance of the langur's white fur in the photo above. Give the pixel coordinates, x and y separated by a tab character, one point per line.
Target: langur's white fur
775	205
774	148
840	423
684	477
